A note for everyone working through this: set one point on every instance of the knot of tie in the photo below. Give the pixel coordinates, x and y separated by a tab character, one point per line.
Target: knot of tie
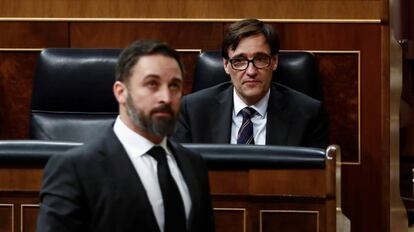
158	153
248	112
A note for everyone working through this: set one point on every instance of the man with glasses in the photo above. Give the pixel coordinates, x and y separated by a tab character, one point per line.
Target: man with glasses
251	109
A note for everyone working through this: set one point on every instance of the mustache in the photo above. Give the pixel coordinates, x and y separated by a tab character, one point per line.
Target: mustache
164	108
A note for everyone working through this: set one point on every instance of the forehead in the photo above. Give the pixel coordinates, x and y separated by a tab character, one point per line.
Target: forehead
156	65
250	46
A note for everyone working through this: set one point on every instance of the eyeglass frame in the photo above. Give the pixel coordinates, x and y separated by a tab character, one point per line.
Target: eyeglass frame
269	57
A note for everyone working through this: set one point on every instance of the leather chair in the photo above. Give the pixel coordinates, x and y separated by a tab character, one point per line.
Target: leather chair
297	70
72	93
217	156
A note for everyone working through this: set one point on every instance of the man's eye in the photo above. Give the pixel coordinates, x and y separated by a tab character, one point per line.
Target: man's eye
261	58
152	84
175	85
239	61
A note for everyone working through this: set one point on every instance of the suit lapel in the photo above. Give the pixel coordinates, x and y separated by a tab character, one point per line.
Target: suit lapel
221	121
127	183
278	119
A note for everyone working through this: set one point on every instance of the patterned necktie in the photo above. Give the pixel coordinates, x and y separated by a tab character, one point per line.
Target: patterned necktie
174	214
245	135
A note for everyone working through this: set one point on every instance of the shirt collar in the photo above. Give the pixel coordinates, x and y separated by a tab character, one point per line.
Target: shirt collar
134	143
260	106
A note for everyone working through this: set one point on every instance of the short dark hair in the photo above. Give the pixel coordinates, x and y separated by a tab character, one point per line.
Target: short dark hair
131	55
245	28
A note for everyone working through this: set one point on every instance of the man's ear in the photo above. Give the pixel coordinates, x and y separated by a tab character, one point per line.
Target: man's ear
226	66
275	62
120	92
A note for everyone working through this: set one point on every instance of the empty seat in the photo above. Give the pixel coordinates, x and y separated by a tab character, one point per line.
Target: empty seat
72	95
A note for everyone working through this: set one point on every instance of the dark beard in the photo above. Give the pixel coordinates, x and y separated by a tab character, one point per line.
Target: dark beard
160	128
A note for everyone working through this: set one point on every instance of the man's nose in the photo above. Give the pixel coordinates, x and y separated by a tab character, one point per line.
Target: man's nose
164	94
251	69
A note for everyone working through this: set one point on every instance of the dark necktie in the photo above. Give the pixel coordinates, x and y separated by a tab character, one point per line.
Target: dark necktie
245	135
174	214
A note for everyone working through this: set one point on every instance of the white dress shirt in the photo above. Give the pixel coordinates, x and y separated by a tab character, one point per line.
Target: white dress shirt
137	147
258	120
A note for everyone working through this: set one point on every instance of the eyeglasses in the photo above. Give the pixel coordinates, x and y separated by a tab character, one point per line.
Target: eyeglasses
241	63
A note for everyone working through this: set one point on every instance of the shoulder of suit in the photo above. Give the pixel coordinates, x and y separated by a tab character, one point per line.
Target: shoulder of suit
94	146
210	92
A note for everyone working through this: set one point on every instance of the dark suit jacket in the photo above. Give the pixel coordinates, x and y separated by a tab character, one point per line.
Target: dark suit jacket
293	119
96	188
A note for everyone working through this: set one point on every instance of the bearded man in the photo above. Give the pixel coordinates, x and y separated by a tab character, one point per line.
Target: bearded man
131	177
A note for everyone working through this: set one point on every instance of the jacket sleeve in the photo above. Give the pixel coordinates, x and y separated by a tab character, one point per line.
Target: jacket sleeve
61	207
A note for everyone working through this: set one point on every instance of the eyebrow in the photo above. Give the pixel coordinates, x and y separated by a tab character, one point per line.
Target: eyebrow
243	55
179	79
175	78
152	76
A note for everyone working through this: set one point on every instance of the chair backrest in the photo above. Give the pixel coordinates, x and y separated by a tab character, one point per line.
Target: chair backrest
68	101
297	70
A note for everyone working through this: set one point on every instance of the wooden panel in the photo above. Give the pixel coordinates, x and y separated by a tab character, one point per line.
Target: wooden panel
222	182
289	9
189	59
234	211
33	34
24	179
230	219
289	221
194	36
16	79
310	182
183	35
277	182
361	201
29	217
21	200
260	211
340	77
6	217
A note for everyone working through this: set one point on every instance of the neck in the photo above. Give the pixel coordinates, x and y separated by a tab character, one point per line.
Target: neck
250	101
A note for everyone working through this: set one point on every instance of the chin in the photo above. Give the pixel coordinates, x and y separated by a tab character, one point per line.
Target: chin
253	92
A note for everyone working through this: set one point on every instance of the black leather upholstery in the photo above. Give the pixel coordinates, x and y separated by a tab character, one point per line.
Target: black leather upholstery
230	157
72	93
31	152
297	70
